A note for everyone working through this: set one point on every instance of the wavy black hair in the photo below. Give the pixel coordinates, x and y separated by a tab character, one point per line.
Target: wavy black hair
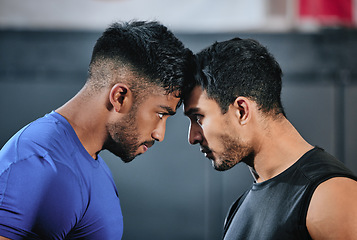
240	67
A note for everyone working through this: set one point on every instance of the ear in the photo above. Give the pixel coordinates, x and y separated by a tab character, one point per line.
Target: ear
121	97
242	107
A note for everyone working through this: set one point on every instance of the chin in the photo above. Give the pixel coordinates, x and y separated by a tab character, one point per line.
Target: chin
220	168
125	157
222	165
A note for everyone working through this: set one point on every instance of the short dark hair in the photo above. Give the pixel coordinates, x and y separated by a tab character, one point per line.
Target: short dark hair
240	67
148	49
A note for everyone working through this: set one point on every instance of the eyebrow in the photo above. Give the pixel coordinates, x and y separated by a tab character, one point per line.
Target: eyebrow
191	111
169	110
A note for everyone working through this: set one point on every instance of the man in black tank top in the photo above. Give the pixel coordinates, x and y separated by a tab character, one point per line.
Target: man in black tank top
236	115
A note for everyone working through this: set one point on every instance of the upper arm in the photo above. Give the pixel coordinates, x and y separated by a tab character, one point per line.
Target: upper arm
332	213
34	195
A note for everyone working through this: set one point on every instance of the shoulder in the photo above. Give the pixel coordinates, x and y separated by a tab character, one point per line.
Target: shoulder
38	175
333	209
42	132
37	193
317	162
40	137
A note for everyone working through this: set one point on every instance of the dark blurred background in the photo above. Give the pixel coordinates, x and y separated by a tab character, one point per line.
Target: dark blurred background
172	192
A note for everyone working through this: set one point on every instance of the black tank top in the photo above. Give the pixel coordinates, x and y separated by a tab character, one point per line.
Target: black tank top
276	209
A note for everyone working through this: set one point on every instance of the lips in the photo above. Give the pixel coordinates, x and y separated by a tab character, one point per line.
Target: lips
207	152
205	149
146	145
149	144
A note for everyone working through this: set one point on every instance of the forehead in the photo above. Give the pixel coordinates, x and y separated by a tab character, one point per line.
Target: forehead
199	101
161	99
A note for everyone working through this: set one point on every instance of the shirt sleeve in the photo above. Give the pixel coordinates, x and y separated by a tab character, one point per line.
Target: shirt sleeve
39	198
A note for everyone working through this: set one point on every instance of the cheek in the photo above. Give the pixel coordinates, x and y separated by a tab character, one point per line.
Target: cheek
211	133
212	127
146	122
216	131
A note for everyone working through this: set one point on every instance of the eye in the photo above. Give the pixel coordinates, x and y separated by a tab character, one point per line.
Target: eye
161	115
198	118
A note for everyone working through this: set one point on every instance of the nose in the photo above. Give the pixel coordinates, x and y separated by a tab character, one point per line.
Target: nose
159	133
194	135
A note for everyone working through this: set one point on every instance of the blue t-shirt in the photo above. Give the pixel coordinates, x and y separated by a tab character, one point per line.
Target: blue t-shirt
51	188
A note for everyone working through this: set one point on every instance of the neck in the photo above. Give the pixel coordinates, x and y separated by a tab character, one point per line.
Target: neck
87	117
280	146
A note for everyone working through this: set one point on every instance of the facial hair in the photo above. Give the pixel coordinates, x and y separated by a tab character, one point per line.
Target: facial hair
235	151
123	138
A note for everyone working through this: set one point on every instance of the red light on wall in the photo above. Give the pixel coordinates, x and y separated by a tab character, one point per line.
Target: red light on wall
327	12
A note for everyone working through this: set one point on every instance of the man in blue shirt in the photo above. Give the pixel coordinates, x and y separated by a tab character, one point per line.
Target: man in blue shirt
53	183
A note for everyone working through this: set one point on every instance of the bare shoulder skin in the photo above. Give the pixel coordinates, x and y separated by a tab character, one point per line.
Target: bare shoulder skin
332	213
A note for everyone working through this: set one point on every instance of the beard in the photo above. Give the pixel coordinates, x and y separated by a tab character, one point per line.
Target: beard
123	138
235	151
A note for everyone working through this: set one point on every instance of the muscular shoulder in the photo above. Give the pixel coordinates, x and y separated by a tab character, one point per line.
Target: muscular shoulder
38	194
40	138
333	210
